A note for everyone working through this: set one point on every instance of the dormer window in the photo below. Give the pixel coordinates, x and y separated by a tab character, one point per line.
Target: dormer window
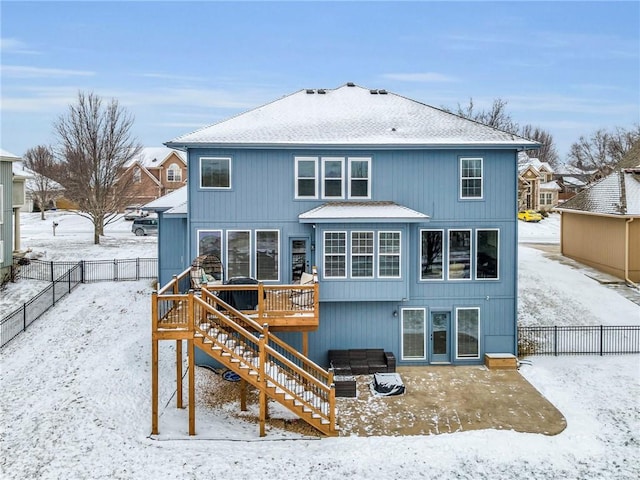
174	173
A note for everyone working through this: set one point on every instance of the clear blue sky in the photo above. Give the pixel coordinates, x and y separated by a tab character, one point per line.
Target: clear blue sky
567	67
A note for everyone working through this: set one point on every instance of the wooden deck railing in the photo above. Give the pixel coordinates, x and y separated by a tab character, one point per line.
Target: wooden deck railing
244	340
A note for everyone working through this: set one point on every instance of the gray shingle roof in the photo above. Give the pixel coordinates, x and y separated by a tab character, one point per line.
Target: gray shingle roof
349	116
616	194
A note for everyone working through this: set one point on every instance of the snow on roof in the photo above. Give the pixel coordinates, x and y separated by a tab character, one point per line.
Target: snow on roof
553	185
616	194
387	212
169	200
349	116
154	156
573	181
525	161
8	156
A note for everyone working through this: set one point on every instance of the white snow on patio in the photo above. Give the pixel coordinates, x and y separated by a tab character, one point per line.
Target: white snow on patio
75	400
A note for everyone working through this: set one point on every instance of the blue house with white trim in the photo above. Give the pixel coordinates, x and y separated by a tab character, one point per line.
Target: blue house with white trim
408	212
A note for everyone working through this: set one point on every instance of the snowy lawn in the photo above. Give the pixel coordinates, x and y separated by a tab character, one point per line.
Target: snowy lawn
76	402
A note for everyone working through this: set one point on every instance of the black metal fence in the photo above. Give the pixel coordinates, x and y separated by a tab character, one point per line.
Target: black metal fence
90	270
578	340
64	278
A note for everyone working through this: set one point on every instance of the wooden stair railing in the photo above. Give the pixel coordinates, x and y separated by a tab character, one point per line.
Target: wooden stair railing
247	348
266	362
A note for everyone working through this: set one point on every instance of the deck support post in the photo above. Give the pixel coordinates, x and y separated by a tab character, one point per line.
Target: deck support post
243	395
154	386
305	343
263	385
179	374
192	387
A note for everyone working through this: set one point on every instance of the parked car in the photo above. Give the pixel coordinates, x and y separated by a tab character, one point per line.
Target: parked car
145	226
134	211
529	216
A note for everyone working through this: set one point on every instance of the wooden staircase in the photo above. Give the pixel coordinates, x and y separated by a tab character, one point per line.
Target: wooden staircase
250	350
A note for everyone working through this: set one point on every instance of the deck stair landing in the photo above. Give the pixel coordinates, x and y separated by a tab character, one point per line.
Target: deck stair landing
250	350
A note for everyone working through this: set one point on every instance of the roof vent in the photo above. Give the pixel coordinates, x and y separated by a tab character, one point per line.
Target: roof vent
310	91
322	91
373	92
382	92
351	84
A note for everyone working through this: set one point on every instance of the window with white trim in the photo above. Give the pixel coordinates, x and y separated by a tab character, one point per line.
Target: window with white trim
431	254
389	254
332	177
471	178
137	175
306	173
359	177
215	172
413	333
459	255
468	332
238	253
210	243
174	173
362	254
335	254
1	204
1	251
487	248
267	255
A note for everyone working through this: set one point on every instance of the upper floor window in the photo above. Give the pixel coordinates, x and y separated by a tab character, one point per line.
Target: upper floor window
215	172
174	173
359	177
431	255
487	248
389	254
332	177
306	177
137	175
362	254
470	178
238	253
459	254
335	254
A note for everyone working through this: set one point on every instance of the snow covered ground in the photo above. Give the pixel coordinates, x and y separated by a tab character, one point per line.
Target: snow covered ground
75	400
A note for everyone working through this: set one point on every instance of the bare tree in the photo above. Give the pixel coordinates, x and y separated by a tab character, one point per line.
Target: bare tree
496	117
603	150
547	152
42	187
95	145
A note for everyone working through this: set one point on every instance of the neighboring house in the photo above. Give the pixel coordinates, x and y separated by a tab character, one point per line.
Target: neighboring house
156	171
600	226
570	185
537	189
407	211
33	186
12	195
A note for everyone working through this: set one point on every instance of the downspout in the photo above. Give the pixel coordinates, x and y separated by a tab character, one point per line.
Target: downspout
626	252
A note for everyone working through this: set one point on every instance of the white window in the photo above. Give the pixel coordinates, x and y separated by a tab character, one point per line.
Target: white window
1	251
210	243
137	175
471	178
413	334
1	204
174	173
268	255
468	332
487	252
333	177
306	172
215	172
238	253
459	254
359	177
335	254
389	254
362	254
431	254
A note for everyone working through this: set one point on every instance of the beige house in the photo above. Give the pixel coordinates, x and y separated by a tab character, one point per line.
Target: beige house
157	171
537	190
600	226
